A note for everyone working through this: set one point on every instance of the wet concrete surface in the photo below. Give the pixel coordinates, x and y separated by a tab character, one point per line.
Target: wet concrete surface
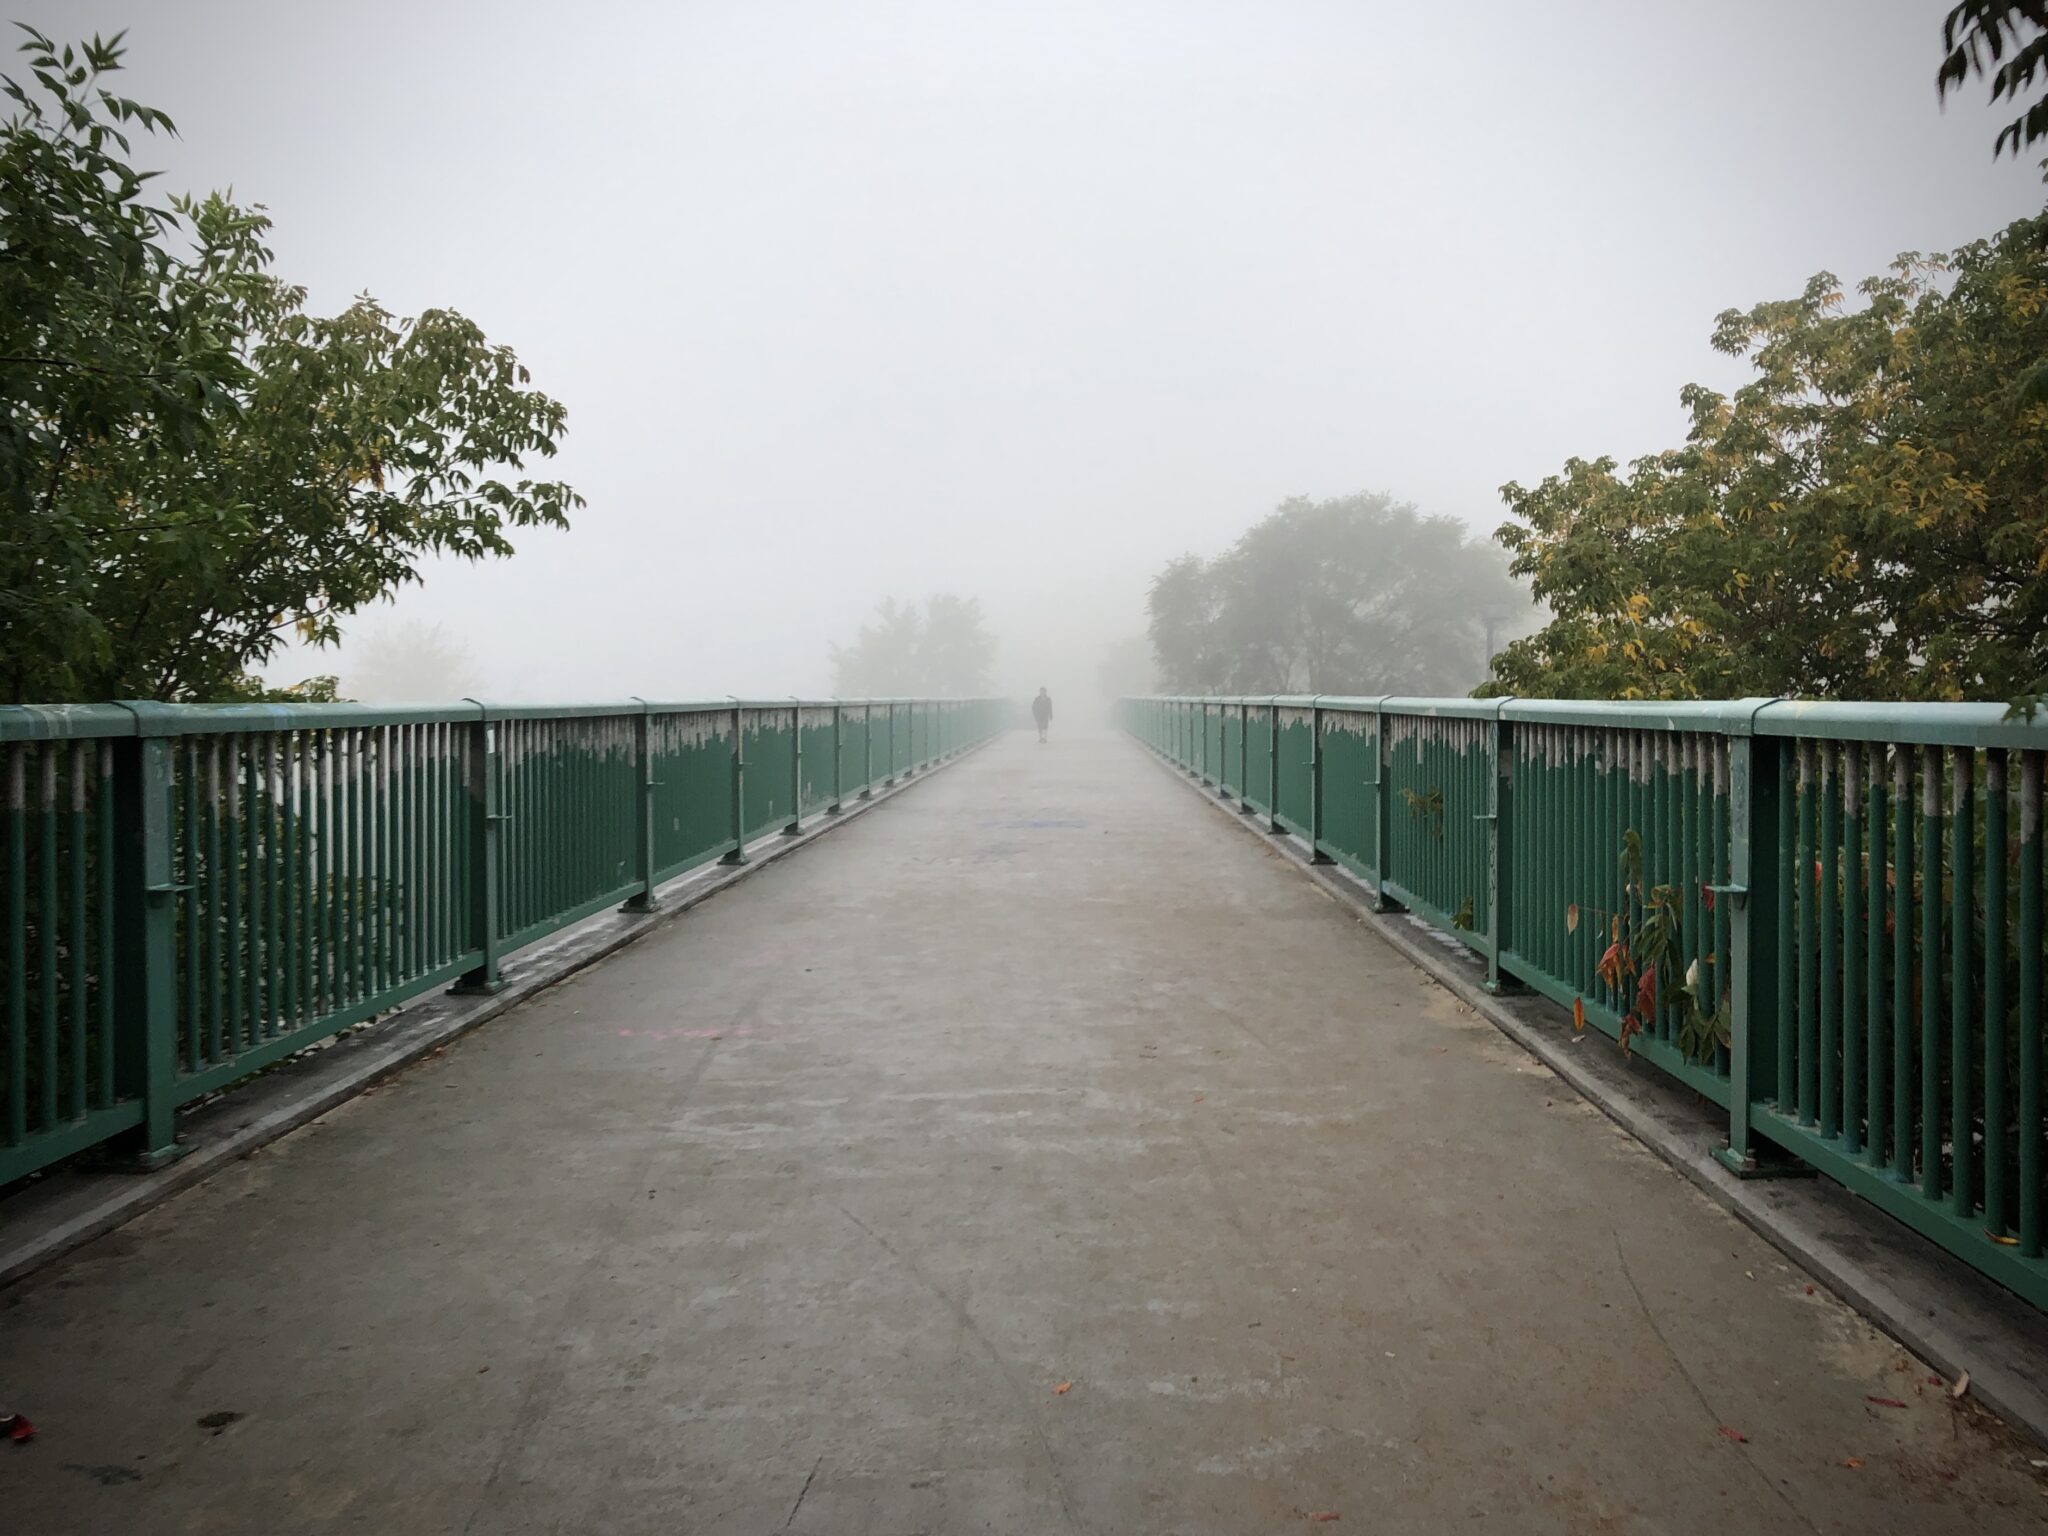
1039	1153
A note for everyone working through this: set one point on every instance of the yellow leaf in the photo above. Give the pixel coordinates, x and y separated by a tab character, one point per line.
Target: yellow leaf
1571	918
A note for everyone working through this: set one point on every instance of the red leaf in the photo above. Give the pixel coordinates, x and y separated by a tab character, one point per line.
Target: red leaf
17	1428
1579	1015
1884	1402
1733	1434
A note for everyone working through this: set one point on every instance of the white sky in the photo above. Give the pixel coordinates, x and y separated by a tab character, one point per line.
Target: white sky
1020	300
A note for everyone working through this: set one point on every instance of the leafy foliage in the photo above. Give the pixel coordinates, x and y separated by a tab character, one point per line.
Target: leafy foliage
1361	594
1640	963
191	466
1868	517
2007	39
942	651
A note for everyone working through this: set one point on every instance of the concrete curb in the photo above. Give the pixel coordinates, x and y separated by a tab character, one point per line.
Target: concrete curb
1930	1301
71	1207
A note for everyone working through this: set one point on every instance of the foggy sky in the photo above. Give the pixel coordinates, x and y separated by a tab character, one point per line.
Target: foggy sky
1020	300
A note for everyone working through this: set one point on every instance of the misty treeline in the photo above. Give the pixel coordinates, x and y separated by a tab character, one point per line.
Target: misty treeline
1354	595
942	649
192	467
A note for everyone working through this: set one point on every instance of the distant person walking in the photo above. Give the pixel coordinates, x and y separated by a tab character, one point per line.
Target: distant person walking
1041	711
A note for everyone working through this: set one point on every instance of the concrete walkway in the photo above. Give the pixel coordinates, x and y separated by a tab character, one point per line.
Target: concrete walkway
1039	1153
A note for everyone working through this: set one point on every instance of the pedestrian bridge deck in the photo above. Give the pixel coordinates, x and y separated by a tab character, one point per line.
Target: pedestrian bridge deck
1039	1152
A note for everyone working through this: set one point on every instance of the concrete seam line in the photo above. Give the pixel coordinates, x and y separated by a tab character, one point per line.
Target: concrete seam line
388	1046
2006	1392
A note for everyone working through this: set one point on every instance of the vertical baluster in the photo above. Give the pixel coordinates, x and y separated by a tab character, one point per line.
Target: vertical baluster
1790	901
1962	919
1930	972
330	874
104	950
191	1023
1692	875
234	877
1827	1061
47	922
2028	1127
1875	1060
1852	946
256	842
76	932
16	918
1808	882
217	886
309	927
1997	1213
1903	915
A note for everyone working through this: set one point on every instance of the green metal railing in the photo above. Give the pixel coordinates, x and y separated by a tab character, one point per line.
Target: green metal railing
1852	893
189	893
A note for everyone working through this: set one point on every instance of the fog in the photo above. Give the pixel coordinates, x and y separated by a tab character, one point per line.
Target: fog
1019	302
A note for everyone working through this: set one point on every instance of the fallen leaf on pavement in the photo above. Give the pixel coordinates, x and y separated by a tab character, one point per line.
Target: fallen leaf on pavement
1067	1386
1327	1514
1733	1434
1852	1462
17	1427
1962	1385
1883	1402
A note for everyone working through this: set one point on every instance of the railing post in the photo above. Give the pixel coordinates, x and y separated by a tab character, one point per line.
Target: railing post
1315	783
146	917
1382	816
485	820
796	771
890	781
642	900
1499	844
838	757
737	854
1273	823
867	750
1244	759
1754	897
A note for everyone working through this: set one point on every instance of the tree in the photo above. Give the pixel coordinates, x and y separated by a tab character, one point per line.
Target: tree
1360	595
192	467
1868	517
1980	30
943	651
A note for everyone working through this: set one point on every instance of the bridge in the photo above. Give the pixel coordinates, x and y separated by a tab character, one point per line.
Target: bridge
1036	1147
